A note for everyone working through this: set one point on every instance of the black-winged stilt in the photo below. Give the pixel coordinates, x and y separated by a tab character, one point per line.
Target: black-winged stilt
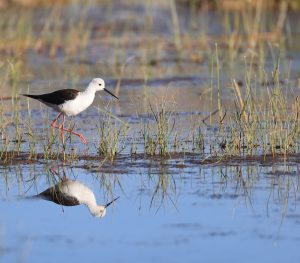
71	102
71	193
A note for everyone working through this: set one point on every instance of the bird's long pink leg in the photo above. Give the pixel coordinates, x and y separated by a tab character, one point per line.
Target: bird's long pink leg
54	125
81	137
62	129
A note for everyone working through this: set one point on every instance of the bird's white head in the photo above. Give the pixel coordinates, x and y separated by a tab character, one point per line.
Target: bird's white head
100	212
97	84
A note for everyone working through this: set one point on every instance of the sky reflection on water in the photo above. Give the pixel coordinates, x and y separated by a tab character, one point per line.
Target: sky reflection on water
202	216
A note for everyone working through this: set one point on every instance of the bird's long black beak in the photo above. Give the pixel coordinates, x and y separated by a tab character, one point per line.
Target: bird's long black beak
108	204
111	93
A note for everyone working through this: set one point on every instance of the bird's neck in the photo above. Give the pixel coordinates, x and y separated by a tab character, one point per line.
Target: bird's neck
90	89
88	94
92	206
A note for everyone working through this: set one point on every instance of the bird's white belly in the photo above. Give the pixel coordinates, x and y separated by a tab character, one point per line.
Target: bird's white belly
73	107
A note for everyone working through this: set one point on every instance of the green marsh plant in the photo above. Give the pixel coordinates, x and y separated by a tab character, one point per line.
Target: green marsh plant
158	130
112	135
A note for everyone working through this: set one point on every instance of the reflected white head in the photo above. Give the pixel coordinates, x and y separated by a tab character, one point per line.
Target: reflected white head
101	211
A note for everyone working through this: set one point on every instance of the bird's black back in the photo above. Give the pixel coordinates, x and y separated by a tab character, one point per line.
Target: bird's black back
57	97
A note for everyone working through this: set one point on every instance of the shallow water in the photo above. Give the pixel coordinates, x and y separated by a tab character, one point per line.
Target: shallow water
183	207
245	212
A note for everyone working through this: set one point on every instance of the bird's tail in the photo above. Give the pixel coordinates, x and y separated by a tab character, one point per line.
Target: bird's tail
31	96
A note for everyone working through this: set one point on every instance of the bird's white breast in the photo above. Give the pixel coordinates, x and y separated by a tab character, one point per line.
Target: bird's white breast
79	104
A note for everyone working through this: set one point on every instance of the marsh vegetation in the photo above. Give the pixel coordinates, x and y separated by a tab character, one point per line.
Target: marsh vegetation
208	109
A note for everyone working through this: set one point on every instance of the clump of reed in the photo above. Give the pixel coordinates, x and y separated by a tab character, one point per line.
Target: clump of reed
263	122
112	134
157	130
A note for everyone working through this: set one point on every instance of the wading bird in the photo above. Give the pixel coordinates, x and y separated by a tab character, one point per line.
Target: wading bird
72	192
71	102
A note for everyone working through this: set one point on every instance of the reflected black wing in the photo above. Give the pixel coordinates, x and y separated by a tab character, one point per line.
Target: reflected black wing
53	194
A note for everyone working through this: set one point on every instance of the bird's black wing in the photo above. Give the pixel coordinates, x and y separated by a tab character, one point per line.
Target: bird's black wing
57	97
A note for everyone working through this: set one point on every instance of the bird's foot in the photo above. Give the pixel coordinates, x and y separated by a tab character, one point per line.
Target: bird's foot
82	138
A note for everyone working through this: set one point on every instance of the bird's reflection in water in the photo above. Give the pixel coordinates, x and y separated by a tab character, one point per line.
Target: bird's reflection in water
71	193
